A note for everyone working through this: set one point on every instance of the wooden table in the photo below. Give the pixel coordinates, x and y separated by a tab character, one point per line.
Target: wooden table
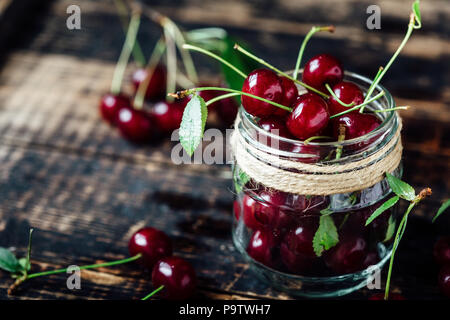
85	190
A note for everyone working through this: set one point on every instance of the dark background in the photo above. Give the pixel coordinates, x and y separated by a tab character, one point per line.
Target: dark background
86	190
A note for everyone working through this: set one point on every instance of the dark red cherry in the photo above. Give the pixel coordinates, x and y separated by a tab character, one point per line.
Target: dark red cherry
157	86
135	125
227	110
167	115
177	276
249	209
323	69
348	255
299	240
236	209
356	124
275	125
261	247
153	244
441	251
269	211
347	92
392	296
308	205
110	105
290	94
444	280
306	153
266	84
309	116
371	259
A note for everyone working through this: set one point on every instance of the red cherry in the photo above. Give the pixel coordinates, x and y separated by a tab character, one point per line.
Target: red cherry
441	251
236	209
157	86
392	296
310	154
177	276
249	209
134	125
167	115
290	94
152	244
347	92
262	247
299	240
275	125
371	259
266	84
322	69
269	213
309	116
444	280
356	124
308	205
348	255
110	105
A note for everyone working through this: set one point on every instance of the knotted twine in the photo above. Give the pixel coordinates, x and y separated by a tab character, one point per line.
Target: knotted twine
320	178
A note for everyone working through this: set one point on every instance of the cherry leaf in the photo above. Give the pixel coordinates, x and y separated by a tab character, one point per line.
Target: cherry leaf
401	188
326	235
443	207
416	10
8	261
193	123
386	205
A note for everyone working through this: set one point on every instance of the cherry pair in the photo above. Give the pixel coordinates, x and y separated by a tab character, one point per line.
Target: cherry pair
174	273
441	252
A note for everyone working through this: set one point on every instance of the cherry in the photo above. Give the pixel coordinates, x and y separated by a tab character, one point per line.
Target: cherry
356	124
308	205
299	239
348	255
347	92
444	280
310	154
153	244
371	259
110	105
249	208
275	125
441	251
266	84
269	212
167	115
157	85
290	94
322	69
309	116
135	125
261	247
392	296
236	209
177	276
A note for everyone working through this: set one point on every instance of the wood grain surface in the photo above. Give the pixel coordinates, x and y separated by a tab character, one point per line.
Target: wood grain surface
86	190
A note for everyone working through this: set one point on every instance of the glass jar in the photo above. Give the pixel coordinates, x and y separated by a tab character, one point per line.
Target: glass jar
274	230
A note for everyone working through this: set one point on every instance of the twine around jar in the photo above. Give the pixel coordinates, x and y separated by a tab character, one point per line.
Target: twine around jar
315	179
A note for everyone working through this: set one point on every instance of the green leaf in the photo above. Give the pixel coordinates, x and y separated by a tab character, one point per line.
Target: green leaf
25	266
8	261
416	10
443	207
401	188
240	181
193	123
391	229
237	59
326	235
386	205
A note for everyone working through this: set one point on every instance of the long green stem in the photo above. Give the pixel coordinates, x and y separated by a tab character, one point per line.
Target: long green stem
224	96
303	46
212	55
392	109
268	65
157	53
411	27
193	90
30	238
398	236
347	105
305	142
382	93
153	293
123	15
171	58
126	52
92	266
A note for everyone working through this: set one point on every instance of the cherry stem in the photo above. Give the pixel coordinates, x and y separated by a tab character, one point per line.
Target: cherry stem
268	65
304	42
305	142
171	57
123	15
347	105
212	55
157	53
184	93
126	51
153	293
392	109
224	96
92	266
30	238
341	137
382	93
411	27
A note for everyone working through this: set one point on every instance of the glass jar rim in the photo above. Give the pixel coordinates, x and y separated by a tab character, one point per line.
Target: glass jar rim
391	117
